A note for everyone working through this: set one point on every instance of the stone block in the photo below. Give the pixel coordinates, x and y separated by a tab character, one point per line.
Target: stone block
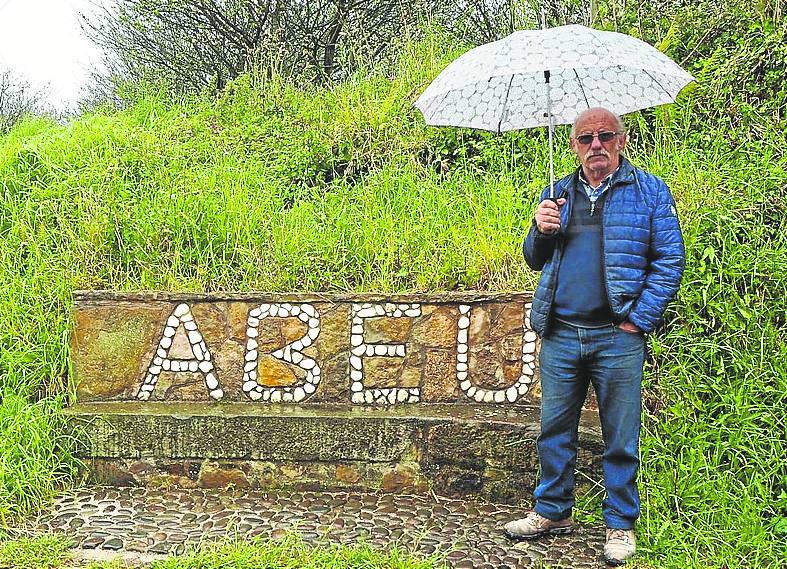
438	329
451	480
382	372
107	473
215	476
180	387
346	474
292	329
386	330
439	377
211	321
272	372
110	349
216	432
404	478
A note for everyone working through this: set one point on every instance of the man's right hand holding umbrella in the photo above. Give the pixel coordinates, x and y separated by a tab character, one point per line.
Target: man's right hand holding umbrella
548	216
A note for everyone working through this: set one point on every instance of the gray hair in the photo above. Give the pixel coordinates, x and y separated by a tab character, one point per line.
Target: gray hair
619	125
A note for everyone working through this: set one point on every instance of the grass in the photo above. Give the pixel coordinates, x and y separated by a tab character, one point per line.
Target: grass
288	552
35	457
291	551
41	552
272	188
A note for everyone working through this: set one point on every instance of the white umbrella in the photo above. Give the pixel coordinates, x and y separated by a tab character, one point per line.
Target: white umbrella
546	77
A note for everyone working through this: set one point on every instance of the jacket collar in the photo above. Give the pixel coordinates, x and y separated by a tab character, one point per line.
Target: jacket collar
624	175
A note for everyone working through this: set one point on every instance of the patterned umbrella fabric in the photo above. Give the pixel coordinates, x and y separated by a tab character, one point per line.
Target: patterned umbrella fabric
519	81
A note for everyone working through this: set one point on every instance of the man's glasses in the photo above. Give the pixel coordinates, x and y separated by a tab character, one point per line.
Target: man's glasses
605	136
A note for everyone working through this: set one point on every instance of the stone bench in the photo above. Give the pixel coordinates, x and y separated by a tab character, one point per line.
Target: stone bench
399	392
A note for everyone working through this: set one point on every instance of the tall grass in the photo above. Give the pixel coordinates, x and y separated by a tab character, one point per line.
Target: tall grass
272	188
34	457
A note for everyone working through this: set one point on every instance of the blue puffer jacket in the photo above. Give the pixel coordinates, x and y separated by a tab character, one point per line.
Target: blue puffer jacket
642	248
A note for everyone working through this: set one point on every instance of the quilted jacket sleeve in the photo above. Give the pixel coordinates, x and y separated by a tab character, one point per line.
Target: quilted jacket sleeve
667	261
538	247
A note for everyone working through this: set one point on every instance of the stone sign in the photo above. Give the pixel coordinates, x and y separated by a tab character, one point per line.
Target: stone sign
410	393
305	348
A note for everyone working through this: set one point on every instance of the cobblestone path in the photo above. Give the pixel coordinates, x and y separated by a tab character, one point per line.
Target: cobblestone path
468	533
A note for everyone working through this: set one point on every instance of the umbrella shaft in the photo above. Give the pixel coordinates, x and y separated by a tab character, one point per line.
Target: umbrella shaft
551	163
549	128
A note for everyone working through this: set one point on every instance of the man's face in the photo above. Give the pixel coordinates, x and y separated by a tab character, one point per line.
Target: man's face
598	158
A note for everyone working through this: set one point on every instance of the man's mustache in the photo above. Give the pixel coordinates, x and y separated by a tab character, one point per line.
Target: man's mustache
593	153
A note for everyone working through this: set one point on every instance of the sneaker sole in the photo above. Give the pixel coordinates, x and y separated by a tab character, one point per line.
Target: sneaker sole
551	531
614	562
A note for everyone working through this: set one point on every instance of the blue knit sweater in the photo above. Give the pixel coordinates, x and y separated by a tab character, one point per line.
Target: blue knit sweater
581	296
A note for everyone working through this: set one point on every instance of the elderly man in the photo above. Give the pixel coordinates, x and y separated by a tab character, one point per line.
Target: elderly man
611	257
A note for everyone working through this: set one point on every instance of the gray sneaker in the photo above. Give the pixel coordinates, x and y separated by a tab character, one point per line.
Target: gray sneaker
534	525
621	545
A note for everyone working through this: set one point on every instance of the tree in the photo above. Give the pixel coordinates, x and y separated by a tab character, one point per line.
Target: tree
482	21
17	100
194	44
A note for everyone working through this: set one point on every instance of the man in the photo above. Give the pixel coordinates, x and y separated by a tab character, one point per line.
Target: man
611	258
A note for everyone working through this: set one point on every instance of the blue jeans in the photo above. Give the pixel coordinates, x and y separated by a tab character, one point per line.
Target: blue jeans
571	358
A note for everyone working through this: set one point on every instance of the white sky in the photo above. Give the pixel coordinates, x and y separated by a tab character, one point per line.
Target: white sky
41	42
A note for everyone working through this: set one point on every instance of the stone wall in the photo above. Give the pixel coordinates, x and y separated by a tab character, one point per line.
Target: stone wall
305	348
454	450
408	393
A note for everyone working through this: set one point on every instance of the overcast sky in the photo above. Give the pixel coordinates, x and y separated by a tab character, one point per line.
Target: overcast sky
42	43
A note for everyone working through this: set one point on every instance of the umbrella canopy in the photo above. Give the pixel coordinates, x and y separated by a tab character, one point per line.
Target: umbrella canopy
537	77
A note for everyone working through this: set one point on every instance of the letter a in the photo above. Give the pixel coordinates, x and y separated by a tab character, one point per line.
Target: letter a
200	363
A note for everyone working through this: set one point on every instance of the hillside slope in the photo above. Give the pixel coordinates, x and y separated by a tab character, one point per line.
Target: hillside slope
273	188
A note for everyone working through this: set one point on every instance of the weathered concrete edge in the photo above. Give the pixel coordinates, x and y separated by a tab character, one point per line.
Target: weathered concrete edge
470	413
336	433
447	297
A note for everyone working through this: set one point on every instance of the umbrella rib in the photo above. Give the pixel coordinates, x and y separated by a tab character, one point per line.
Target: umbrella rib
435	102
657	83
505	102
581	88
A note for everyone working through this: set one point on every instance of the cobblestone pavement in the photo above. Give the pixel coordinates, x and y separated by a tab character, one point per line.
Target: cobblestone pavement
467	532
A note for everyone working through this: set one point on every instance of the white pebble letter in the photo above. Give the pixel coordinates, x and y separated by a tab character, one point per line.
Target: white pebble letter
199	363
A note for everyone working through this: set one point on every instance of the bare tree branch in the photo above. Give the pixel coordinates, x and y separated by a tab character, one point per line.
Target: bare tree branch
17	100
191	45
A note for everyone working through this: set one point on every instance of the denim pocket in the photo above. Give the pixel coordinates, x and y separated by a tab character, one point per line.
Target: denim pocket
629	343
624	333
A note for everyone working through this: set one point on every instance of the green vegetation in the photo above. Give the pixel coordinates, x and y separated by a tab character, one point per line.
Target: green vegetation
51	552
34	458
40	552
291	551
273	188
